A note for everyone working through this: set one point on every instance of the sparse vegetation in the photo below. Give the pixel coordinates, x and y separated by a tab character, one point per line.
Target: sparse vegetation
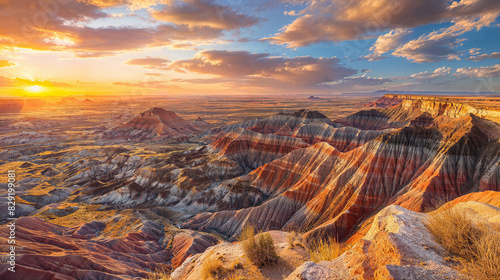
475	247
160	274
325	250
259	249
212	268
294	239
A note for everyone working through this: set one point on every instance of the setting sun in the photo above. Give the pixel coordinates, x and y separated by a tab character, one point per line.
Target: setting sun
34	89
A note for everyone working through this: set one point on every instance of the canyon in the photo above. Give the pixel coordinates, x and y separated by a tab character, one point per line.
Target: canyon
118	193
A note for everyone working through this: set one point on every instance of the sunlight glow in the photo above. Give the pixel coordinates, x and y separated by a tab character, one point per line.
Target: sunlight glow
34	89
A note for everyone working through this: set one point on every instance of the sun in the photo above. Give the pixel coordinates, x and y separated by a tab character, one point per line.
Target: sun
34	89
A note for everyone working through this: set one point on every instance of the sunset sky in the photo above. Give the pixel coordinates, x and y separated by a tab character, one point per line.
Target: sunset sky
67	47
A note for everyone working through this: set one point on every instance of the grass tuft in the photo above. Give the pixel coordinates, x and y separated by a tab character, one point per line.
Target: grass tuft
294	239
212	268
160	274
476	247
259	249
325	250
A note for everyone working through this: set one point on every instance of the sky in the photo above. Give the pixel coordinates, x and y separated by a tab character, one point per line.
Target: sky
169	47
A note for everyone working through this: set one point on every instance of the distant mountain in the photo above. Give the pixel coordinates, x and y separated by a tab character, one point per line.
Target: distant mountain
402	92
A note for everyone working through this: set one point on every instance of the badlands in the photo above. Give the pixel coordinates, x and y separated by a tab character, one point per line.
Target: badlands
157	188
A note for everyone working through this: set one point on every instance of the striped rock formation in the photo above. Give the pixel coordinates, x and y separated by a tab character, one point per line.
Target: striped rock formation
420	110
158	124
329	192
46	251
280	124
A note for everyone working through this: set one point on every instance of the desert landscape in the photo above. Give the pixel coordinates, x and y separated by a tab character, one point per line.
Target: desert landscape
348	191
249	140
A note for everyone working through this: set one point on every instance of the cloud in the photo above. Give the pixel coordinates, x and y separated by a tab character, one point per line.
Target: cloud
199	13
478	72
358	82
158	63
148	84
64	26
261	69
6	63
341	20
19	82
430	76
387	42
484	56
440	45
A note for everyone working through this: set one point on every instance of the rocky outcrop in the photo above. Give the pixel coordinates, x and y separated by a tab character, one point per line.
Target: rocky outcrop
330	192
343	139
234	261
397	246
158	124
419	110
251	149
385	101
279	122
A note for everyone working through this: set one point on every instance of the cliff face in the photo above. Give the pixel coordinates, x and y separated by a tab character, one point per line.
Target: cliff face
328	192
419	110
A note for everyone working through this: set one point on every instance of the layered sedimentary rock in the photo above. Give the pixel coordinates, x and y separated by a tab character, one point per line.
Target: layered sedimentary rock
48	251
251	149
158	124
328	192
280	122
343	138
385	101
418	110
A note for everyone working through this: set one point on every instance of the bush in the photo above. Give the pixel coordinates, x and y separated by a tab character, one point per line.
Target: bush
292	239
325	250
477	248
212	268
160	274
260	250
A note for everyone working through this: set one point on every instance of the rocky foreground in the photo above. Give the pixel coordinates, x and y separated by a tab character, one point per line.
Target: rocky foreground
150	193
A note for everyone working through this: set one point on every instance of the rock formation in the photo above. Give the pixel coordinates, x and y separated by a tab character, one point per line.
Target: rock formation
327	192
158	124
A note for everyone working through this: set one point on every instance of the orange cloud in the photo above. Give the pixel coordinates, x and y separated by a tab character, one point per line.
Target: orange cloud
340	20
157	63
204	13
264	70
63	25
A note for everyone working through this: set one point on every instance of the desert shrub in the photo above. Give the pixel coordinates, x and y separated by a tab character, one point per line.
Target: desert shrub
476	247
454	231
259	249
212	268
293	239
325	250
160	274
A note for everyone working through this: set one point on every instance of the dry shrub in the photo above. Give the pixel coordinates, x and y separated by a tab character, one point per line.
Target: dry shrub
212	268
233	276
160	274
260	250
325	250
293	238
477	247
486	261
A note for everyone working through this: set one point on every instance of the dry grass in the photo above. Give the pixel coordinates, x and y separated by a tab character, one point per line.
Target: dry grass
325	250
160	274
476	247
294	239
212	268
260	250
